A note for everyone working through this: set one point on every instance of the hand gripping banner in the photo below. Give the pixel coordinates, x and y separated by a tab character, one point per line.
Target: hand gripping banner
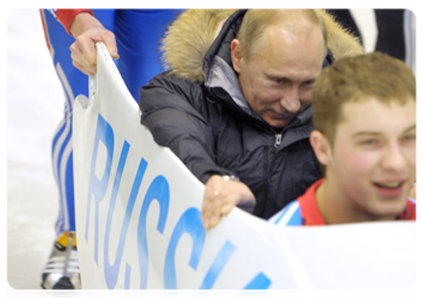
139	226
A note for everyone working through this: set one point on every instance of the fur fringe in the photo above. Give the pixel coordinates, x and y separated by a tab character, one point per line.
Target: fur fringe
340	42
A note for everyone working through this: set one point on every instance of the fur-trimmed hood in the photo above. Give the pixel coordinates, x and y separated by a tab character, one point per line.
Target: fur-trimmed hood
186	46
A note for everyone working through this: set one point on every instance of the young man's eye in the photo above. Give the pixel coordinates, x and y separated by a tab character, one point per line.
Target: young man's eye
409	138
369	142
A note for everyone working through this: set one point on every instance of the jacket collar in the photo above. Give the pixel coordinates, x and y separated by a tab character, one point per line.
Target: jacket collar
221	75
221	46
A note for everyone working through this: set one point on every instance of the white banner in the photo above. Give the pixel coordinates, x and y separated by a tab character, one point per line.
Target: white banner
139	226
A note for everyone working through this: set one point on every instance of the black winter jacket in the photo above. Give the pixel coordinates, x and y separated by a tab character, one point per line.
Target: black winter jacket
205	127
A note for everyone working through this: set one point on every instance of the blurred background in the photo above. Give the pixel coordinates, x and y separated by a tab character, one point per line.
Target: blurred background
35	103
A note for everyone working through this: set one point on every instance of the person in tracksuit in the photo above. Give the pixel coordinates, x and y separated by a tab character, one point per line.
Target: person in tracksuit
133	38
365	139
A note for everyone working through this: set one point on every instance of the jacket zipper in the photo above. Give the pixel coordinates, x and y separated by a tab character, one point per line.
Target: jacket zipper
278	139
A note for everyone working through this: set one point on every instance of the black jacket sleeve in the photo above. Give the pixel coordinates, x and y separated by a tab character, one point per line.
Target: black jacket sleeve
175	111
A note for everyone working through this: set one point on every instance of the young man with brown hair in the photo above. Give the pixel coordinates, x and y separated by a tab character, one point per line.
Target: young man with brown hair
364	114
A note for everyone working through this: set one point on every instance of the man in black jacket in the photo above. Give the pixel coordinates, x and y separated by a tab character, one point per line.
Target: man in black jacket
236	106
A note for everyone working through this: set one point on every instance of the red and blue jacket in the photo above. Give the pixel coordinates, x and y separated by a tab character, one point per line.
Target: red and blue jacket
305	212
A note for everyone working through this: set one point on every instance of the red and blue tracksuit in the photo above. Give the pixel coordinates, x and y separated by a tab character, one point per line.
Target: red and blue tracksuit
138	34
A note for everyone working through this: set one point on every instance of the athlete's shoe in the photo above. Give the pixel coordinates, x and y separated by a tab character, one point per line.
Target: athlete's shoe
62	269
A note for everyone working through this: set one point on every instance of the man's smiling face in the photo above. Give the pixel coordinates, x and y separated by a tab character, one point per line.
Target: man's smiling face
373	157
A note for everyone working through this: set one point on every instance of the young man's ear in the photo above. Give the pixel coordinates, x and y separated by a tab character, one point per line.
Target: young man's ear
321	146
236	55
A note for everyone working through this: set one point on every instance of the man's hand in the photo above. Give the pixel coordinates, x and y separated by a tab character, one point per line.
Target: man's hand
221	195
87	31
